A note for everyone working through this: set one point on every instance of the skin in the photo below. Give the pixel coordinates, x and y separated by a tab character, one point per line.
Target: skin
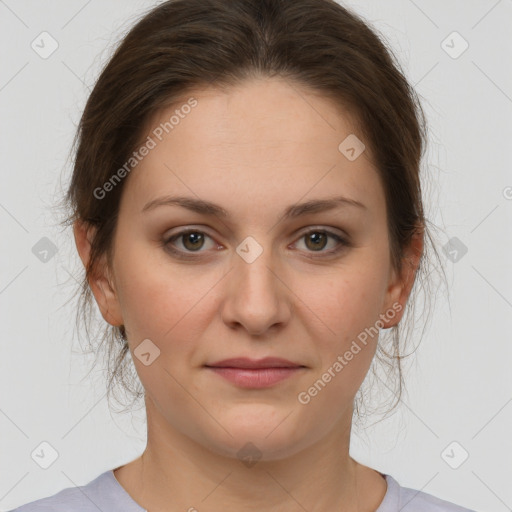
254	150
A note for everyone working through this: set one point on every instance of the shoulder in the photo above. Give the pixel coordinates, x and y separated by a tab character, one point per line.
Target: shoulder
102	493
67	499
404	499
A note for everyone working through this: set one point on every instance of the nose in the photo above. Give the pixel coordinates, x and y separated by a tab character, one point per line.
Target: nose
256	296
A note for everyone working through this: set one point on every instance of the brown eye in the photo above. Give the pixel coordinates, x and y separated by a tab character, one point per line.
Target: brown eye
193	240
316	240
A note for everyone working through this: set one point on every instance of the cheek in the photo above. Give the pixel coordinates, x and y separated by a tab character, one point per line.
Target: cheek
154	298
167	308
349	300
348	303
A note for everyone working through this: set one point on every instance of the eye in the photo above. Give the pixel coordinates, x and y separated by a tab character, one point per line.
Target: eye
192	240
317	239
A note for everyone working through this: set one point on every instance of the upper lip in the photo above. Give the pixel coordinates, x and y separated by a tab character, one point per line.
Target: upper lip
245	362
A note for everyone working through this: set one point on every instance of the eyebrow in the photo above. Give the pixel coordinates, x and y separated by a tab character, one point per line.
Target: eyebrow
204	207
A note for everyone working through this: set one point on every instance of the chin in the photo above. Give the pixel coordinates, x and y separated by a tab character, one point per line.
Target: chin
256	436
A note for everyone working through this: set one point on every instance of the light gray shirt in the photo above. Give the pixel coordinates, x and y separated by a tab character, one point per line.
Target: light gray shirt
106	494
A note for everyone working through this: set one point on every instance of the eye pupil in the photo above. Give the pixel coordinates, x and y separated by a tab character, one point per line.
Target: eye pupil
196	237
316	237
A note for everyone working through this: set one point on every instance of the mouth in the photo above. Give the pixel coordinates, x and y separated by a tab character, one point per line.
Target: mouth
253	373
256	364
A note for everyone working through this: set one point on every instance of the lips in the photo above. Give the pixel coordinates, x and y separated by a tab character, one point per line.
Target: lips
245	362
248	373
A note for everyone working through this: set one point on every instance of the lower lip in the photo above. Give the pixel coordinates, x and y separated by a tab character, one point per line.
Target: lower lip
255	378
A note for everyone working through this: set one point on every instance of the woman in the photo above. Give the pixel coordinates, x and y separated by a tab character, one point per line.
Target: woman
246	202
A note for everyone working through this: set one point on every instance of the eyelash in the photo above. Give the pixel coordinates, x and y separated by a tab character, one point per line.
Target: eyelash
166	243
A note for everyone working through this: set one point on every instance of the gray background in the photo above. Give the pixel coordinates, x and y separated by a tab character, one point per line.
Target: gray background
459	385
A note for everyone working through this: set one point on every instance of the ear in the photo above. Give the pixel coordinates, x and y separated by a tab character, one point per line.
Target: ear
100	282
400	284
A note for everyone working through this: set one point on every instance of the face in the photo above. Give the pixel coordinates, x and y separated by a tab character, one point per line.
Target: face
248	279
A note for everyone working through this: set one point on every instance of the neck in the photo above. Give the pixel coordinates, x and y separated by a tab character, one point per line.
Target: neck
177	473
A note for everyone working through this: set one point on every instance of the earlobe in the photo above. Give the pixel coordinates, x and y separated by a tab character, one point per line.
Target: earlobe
99	279
395	302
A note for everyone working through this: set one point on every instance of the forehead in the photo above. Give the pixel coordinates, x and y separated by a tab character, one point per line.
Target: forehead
264	139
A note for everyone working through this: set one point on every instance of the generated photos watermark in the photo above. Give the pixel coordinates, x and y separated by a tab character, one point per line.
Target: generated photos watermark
151	142
304	397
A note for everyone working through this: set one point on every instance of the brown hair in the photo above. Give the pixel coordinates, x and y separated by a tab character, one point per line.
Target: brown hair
182	45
